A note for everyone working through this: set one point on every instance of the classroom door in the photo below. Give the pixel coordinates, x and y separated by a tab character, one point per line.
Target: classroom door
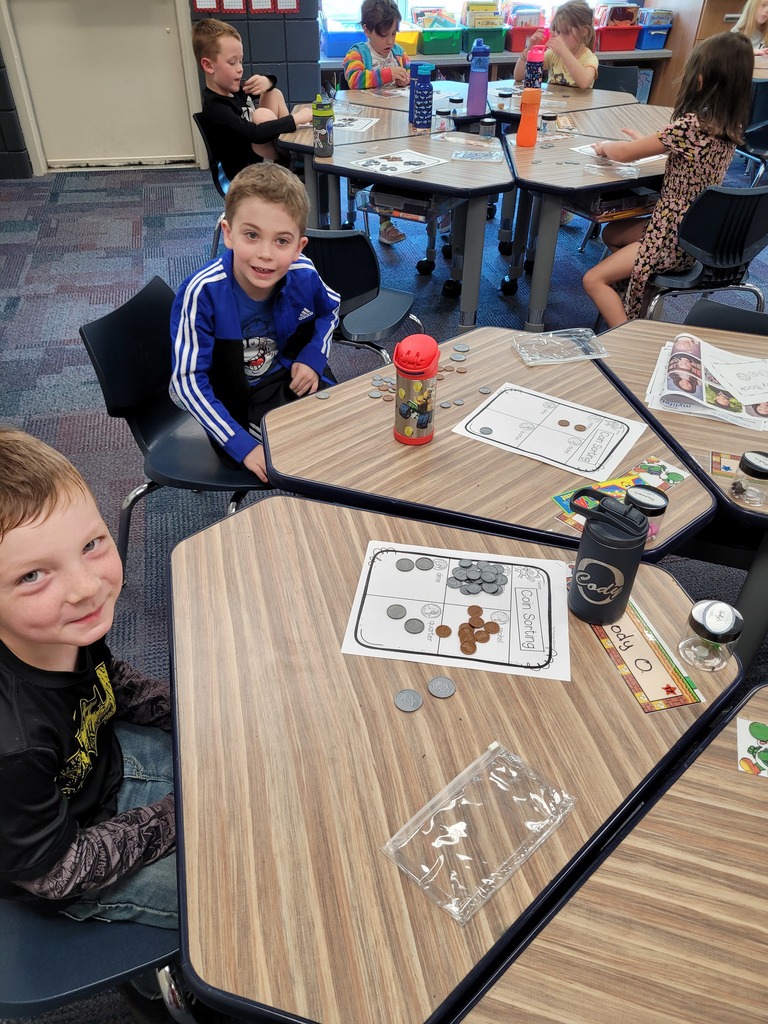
105	80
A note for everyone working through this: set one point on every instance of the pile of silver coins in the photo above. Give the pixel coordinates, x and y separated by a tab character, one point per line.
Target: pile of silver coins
475	577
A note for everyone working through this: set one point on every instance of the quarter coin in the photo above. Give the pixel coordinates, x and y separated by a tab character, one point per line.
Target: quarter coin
404	564
441	686
408	700
396	611
414	626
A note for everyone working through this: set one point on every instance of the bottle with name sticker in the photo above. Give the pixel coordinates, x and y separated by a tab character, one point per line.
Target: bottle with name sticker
322	126
423	94
609	554
415	358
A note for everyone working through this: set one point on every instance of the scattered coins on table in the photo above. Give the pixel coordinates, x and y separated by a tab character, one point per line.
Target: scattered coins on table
408	700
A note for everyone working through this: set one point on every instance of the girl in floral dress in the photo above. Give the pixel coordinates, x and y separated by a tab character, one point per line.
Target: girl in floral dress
708	120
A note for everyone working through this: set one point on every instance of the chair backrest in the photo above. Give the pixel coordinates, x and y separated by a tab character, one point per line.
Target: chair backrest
220	180
347	262
706	313
724	229
46	962
623	79
758	108
130	349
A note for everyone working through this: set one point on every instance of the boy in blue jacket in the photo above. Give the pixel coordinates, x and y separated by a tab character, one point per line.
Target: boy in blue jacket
252	330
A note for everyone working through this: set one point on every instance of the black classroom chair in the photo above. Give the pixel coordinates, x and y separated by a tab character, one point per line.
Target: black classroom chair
718	316
130	349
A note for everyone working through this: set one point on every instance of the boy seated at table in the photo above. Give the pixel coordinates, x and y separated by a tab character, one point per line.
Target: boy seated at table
86	763
252	329
380	60
243	119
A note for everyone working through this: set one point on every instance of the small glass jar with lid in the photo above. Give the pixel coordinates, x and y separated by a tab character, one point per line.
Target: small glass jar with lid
750	484
548	125
487	128
652	502
714	629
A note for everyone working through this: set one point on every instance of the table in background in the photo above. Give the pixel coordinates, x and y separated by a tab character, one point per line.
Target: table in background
558	171
671	928
471	183
295	767
605	123
393	98
574	99
634	351
354	459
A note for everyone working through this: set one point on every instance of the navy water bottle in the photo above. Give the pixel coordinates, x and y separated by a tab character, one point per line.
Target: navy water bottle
422	99
608	557
477	94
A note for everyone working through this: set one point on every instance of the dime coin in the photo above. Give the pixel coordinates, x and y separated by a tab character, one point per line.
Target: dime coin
374	394
486	430
424	563
404	564
461	347
322	395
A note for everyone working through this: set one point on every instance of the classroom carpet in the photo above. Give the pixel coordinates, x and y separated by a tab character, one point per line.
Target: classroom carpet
75	245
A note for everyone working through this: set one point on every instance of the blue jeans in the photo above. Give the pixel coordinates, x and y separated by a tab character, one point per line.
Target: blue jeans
149	894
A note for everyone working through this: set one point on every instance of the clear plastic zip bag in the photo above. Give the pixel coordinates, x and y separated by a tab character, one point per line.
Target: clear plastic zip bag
559	346
467	841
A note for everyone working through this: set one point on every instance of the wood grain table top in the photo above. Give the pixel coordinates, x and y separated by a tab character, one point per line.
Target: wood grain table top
388	97
354	458
608	123
574	99
453	177
671	928
295	766
635	348
556	167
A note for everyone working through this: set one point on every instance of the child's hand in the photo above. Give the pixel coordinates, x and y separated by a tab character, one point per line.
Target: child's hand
601	148
304	380
257	463
401	76
302	116
632	133
257	85
761	51
556	43
538	38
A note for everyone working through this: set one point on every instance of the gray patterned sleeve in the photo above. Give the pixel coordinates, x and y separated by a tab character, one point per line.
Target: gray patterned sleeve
104	853
140	699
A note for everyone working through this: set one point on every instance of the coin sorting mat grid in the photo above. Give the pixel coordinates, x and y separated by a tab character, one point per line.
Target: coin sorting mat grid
417	605
572	437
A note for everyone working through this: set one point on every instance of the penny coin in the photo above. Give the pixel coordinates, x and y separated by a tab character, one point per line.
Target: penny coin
474	609
461	369
580	427
492	627
424	563
481	636
441	686
468	647
476	622
388	398
404	564
563	423
441	376
443	631
449	369
396	611
408	700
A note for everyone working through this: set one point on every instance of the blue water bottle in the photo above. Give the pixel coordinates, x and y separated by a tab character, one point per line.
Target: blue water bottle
422	99
477	94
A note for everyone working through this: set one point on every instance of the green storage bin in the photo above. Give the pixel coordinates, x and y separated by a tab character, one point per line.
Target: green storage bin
493	37
440	40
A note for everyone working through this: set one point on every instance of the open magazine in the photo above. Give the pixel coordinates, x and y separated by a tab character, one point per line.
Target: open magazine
699	379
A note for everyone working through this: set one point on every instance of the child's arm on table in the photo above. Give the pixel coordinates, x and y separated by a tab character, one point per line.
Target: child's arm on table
639	147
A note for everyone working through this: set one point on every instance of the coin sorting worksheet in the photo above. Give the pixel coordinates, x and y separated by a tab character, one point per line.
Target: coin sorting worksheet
460	608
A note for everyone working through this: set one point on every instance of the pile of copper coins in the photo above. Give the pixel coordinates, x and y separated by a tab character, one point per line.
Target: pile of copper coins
476	630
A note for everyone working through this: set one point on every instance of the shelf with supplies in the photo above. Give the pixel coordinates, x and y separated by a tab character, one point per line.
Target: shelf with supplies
459	60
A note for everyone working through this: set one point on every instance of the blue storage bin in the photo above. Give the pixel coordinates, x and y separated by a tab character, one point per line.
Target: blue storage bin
336	37
652	37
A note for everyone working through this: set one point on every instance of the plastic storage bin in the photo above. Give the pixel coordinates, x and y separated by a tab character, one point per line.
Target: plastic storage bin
408	38
652	37
440	40
517	38
493	37
336	37
616	37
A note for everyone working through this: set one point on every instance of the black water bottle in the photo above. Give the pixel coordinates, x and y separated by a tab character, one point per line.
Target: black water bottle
609	553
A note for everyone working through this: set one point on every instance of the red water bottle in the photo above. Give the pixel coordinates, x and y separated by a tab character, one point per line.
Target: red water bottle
415	359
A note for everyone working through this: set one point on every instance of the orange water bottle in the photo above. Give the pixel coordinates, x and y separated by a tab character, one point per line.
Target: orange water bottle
416	358
530	101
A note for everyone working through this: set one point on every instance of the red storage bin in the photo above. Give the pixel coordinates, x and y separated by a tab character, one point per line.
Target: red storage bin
616	37
517	38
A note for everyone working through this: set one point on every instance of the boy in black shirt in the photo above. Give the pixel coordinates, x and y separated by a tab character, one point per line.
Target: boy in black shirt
242	119
86	768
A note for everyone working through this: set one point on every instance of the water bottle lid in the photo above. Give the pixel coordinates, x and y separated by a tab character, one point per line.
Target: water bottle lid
536	54
426	69
651	501
716	621
480	49
415	353
617	523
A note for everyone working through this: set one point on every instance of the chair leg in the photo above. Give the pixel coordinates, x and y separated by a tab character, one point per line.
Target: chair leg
419	324
592	232
216	236
175	999
124	527
655	307
234	502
